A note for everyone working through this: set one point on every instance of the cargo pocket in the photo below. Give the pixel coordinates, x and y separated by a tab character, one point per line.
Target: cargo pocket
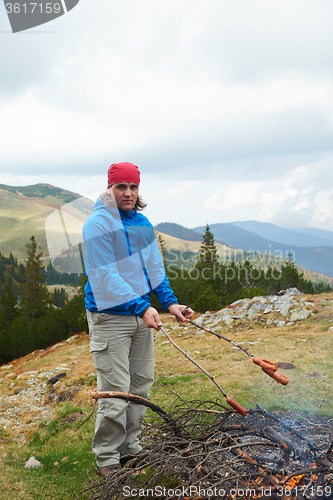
100	356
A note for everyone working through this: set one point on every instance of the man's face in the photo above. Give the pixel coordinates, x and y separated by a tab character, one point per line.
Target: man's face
125	195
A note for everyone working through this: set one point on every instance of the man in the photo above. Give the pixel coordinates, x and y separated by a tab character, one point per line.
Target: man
123	265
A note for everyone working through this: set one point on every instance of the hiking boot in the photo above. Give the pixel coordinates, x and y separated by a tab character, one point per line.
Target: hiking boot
108	469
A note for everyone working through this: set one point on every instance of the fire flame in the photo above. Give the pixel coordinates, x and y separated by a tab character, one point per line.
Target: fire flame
287	485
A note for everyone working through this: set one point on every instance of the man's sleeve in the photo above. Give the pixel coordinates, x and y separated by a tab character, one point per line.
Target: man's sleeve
158	279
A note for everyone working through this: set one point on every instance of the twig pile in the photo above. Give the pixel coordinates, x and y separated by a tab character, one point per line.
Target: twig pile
214	452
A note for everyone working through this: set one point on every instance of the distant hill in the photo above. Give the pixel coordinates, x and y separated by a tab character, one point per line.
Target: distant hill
317	233
183	233
41	191
178	231
24	210
317	259
178	244
301	237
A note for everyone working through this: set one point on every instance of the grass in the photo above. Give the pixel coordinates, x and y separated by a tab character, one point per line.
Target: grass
66	452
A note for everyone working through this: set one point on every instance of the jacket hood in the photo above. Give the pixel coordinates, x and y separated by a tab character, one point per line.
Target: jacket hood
105	200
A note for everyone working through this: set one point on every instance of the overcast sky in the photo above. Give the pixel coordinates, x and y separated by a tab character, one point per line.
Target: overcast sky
226	106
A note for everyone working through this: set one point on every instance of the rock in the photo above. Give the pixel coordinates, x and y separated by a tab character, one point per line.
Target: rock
293	291
227	319
238	302
285	309
6	367
20	390
203	317
213	323
299	315
280	323
241	315
56	345
259	306
55	379
222	312
33	463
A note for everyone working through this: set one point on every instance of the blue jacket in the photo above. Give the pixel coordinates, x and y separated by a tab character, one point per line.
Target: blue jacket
122	262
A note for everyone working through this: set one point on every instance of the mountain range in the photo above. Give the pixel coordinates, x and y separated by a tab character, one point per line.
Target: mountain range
27	210
310	248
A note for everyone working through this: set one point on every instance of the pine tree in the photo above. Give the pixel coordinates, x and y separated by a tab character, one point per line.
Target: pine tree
162	245
35	297
208	251
8	306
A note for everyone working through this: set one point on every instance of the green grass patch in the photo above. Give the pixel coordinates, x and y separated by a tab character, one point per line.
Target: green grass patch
65	454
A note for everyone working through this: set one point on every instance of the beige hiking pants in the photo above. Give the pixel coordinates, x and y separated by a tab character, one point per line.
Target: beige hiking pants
122	348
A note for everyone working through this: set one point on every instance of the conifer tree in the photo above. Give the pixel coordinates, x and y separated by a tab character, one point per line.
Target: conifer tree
162	246
8	306
208	251
35	297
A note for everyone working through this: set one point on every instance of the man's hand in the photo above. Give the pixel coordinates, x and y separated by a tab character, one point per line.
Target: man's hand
181	312
152	319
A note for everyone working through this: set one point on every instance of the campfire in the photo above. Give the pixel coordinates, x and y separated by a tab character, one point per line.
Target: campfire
204	450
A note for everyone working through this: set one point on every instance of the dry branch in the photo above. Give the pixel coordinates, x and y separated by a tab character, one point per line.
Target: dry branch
210	452
132	398
212	378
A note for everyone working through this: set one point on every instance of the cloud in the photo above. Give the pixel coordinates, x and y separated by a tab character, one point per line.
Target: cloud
220	100
180	190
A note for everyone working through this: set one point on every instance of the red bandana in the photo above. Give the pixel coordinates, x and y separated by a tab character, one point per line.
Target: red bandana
123	172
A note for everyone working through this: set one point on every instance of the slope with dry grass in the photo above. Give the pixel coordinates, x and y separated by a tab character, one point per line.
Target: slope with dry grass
39	419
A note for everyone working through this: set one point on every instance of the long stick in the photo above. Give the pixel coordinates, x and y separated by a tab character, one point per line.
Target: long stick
267	367
236	406
140	401
221	337
212	378
129	397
